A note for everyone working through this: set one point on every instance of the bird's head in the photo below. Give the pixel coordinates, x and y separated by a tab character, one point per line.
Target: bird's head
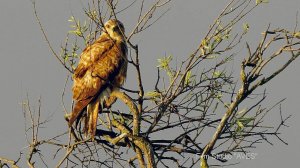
114	29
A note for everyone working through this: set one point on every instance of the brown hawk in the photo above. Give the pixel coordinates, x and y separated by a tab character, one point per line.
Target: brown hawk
101	70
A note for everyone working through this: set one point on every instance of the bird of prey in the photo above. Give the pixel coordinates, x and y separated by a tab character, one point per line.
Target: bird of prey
101	70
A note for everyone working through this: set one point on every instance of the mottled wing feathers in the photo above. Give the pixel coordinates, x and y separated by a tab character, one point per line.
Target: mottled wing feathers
86	84
92	53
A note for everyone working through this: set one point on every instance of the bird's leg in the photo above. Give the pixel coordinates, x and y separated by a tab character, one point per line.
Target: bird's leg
107	116
109	101
107	104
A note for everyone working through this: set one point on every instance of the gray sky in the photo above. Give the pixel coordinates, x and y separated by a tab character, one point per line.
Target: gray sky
27	65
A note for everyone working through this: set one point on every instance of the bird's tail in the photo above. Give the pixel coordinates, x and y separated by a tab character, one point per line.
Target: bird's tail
94	106
78	109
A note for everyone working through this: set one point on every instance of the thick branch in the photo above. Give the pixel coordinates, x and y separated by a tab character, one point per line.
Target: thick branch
133	108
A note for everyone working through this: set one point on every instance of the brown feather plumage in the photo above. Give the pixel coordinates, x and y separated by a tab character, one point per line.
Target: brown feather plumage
102	67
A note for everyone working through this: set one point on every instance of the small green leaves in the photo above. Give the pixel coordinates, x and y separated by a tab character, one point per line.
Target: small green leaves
152	95
218	74
163	63
205	47
246	120
212	56
187	79
79	29
210	44
72	19
92	14
69	54
219	95
297	35
243	122
245	28
261	1
240	125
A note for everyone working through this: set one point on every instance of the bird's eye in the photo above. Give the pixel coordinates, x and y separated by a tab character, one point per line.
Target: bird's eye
107	26
116	28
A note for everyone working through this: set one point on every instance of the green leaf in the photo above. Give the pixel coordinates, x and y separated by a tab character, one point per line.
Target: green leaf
92	14
240	124
187	79
297	35
246	120
66	58
218	38
212	56
261	1
153	94
164	62
246	27
72	19
217	74
219	95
